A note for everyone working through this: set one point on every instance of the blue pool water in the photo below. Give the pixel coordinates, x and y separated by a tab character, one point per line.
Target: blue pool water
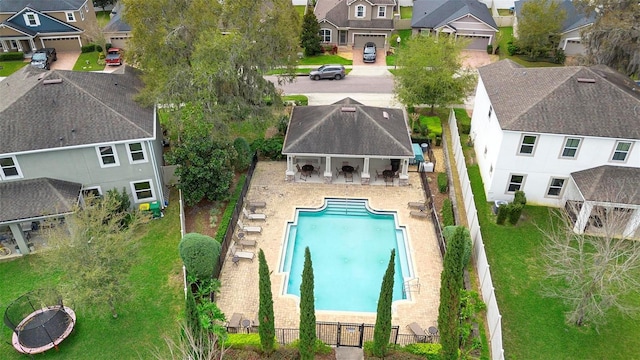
350	248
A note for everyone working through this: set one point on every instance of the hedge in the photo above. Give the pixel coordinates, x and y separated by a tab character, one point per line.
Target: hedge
269	148
228	212
443	182
88	48
447	213
243	341
200	254
503	213
515	210
8	56
429	351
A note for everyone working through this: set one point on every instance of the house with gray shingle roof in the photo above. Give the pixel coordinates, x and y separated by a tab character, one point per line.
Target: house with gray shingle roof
465	19
560	134
117	32
355	22
27	25
347	133
81	131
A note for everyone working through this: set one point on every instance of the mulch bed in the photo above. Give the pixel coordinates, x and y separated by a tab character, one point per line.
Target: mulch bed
282	353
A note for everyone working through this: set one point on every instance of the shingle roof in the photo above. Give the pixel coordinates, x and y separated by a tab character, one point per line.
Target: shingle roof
609	183
26	199
574	19
556	100
48	24
337	13
117	23
433	14
327	129
12	6
83	108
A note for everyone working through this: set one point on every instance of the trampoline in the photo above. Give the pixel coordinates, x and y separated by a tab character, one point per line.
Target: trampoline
39	321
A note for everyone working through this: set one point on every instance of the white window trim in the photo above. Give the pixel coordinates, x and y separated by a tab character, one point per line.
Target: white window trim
35	18
115	154
564	146
71	17
144	153
384	12
364	11
615	147
524	180
81	15
86	7
322	36
564	183
92	188
535	145
135	195
15	163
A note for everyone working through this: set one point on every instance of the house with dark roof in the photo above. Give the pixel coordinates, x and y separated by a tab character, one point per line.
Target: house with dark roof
464	19
355	22
369	139
117	32
71	133
27	25
560	134
574	23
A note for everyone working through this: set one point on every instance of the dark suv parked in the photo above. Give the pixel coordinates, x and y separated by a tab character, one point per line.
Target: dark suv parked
43	58
328	72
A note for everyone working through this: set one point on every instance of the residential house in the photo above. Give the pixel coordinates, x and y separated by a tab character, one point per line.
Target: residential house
347	133
117	32
355	22
464	19
574	23
560	134
74	131
27	25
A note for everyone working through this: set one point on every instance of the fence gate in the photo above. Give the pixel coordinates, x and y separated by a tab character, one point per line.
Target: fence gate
350	335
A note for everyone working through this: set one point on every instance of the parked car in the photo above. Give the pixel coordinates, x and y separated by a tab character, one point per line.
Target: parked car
369	53
43	58
328	72
114	57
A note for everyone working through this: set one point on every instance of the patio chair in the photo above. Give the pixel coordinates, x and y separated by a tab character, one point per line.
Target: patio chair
357	170
419	214
303	174
348	177
256	204
234	321
251	216
416	205
378	174
249	229
241	254
338	172
418	332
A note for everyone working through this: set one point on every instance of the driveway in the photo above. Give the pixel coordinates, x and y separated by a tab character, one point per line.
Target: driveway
474	59
66	60
381	58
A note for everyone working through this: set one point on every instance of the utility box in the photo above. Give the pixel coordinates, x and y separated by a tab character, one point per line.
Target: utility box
144	207
156	210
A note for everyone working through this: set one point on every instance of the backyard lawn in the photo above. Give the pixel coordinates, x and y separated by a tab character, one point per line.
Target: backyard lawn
9	67
406	12
506	34
103	18
300	10
153	313
533	326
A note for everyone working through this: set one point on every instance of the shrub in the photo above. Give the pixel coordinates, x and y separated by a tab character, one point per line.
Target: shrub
88	48
443	182
98	48
228	212
269	148
107	46
447	213
200	254
512	49
243	151
429	351
242	341
515	210
448	232
520	198
503	213
283	124
559	57
8	56
489	49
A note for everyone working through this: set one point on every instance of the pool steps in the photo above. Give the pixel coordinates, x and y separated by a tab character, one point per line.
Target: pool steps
351	207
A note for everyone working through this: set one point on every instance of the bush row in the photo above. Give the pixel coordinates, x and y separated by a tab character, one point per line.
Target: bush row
228	212
513	210
91	48
464	121
443	182
8	56
447	213
269	148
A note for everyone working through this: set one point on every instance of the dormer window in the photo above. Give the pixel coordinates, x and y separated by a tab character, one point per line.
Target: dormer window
31	19
70	16
360	12
382	11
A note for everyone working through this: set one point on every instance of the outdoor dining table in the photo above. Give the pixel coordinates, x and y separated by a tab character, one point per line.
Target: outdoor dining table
307	168
348	169
387	173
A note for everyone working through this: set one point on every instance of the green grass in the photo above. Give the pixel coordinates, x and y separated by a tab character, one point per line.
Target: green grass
156	307
506	34
302	99
300	9
103	18
406	12
9	67
404	36
324	59
433	124
299	71
504	12
88	62
532	325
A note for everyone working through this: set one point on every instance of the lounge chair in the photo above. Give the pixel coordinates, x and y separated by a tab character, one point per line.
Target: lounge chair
251	216
235	320
418	332
416	205
249	229
241	254
256	204
419	214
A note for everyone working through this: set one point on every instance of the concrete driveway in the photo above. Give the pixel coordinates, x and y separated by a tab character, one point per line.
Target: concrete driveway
66	60
474	59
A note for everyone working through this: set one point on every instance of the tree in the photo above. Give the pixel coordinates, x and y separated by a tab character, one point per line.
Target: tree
594	274
430	72
539	26
451	282
95	253
310	38
614	37
103	3
382	329
307	310
267	329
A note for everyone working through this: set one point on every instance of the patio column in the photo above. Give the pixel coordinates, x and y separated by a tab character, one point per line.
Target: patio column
328	174
404	174
583	218
290	173
365	178
32	45
633	224
5	46
16	231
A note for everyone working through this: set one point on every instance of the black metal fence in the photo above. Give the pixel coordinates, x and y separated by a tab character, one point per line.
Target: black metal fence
434	212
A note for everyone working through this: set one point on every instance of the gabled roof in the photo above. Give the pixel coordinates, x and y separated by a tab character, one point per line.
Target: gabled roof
33	198
12	6
18	28
607	183
574	20
348	128
48	24
569	100
117	23
433	14
336	12
52	109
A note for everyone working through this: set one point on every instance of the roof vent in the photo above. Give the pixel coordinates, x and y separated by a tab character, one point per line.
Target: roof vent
385	114
52	81
586	80
348	109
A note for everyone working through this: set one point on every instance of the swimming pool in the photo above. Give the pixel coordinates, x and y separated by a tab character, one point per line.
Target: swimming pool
350	247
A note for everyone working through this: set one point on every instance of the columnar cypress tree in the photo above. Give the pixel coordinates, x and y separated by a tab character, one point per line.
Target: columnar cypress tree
266	330
310	38
382	330
451	282
191	315
307	310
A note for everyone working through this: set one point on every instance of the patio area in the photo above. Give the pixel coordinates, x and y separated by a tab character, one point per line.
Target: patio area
239	291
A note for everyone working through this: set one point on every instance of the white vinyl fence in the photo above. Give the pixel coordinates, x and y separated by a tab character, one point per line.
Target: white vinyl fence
482	264
183	230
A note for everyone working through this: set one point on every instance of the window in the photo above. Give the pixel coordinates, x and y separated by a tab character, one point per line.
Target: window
528	144
14	44
142	191
382	11
571	146
621	151
70	16
137	153
555	187
31	19
94	191
86	7
108	156
325	34
360	11
10	168
490	111
515	183
81	15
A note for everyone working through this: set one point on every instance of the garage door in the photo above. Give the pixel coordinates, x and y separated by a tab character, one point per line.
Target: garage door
573	47
361	39
63	44
119	42
476	42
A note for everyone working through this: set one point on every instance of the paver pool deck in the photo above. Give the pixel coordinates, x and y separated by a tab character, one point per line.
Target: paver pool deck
239	290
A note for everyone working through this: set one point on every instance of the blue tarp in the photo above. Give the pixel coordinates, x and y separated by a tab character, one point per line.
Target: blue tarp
417	151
